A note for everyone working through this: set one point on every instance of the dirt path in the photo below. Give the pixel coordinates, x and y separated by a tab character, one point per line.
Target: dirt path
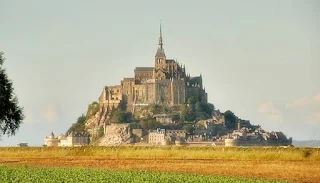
301	171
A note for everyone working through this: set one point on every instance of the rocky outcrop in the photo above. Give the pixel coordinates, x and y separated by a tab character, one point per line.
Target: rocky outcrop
96	119
116	134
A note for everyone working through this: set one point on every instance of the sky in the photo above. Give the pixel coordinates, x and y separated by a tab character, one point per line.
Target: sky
259	59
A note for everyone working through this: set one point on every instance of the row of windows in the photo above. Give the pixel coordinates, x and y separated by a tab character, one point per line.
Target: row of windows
115	91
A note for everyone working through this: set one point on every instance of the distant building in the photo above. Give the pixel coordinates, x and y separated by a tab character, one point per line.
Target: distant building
22	145
164	137
163	118
157	136
51	141
259	137
176	133
73	139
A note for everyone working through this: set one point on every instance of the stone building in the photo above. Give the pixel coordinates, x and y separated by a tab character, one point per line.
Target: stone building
51	140
156	137
164	137
22	144
163	118
167	82
73	139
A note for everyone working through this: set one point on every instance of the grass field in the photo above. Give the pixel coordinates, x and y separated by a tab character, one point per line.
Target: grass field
291	164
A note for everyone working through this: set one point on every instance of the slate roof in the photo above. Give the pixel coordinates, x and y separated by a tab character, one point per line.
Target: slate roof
170	60
126	79
149	69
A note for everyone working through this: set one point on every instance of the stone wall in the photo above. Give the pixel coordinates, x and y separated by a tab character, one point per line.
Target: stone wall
150	93
139	93
163	91
178	91
237	142
111	96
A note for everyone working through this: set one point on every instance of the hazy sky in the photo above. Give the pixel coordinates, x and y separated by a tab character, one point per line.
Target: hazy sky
260	59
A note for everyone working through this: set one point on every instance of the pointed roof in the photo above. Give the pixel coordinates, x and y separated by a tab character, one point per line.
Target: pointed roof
160	38
160	50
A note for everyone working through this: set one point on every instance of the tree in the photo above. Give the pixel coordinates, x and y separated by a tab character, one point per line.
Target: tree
79	126
121	116
192	100
150	124
189	129
175	117
230	120
199	107
155	109
123	105
11	114
81	119
188	114
95	103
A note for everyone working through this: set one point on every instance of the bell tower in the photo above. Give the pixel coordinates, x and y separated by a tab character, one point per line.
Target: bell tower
160	59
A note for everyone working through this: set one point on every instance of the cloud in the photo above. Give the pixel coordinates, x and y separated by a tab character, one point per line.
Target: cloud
316	98
305	110
50	113
271	112
299	103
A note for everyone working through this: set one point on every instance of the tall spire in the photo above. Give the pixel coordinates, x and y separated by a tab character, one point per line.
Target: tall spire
160	50
160	38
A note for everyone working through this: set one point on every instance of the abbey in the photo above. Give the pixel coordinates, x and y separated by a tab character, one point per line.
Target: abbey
167	83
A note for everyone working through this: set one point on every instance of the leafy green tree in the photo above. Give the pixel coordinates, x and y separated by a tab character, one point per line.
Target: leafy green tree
187	114
121	116
209	108
155	109
175	118
192	100
230	120
81	119
189	129
123	105
11	114
199	107
79	126
95	103
150	124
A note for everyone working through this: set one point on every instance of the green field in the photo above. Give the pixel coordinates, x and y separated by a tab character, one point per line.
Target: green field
30	174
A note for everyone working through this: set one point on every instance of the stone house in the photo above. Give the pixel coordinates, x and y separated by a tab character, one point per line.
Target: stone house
163	137
163	118
156	137
73	139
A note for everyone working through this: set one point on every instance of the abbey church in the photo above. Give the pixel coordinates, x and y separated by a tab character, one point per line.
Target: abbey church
166	83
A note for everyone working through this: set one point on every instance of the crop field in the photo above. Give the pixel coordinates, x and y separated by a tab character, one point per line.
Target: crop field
26	174
141	164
